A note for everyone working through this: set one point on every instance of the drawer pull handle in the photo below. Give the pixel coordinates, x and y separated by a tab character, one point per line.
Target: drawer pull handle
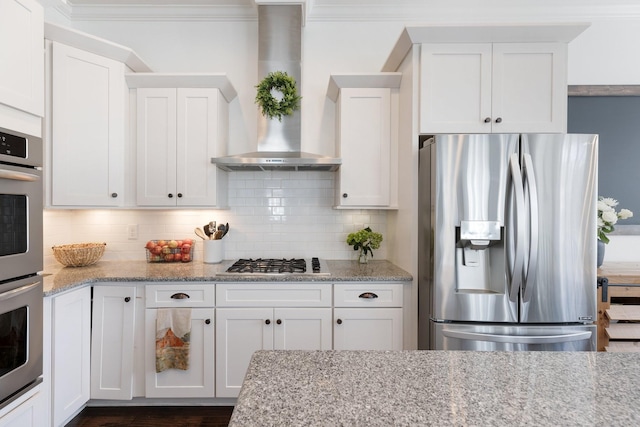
207	322
267	322
180	295
339	321
368	295
127	299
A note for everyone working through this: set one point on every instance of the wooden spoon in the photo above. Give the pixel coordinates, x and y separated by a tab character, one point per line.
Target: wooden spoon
200	233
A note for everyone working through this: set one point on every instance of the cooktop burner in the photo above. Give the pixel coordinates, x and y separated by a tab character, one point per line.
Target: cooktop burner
276	266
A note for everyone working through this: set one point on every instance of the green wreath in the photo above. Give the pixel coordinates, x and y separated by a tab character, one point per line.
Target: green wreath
272	107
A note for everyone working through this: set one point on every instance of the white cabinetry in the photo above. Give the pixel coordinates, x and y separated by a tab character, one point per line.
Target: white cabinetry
70	353
179	130
22	56
368	316
493	87
27	411
88	129
259	316
365	123
86	126
113	341
199	379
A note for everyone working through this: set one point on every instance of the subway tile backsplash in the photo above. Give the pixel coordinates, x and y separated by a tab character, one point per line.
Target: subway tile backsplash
271	214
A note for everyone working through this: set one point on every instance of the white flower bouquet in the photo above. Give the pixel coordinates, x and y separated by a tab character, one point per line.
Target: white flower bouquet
608	217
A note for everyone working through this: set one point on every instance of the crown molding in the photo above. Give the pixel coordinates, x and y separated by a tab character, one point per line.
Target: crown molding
408	11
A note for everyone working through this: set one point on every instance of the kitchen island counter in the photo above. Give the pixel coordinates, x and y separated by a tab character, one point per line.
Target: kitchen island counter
407	388
66	278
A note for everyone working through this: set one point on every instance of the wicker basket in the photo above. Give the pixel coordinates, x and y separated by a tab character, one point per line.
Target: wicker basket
79	254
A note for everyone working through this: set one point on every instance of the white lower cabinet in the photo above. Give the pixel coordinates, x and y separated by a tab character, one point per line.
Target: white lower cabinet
199	379
368	317
256	316
27	411
70	353
112	342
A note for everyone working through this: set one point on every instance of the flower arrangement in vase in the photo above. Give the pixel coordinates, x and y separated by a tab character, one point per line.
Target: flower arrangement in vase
365	241
608	216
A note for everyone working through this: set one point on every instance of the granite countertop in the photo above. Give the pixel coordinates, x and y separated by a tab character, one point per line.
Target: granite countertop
440	388
65	278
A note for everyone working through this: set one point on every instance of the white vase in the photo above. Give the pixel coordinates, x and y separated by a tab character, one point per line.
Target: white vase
601	247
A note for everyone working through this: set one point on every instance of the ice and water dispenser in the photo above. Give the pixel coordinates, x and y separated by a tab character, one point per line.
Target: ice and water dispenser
480	256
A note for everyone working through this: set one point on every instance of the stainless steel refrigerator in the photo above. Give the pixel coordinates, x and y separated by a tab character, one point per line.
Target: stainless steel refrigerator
507	252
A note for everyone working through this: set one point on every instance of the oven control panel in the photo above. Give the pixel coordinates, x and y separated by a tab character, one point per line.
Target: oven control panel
12	145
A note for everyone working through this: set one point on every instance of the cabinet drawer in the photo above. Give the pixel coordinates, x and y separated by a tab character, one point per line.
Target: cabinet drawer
180	295
368	295
273	295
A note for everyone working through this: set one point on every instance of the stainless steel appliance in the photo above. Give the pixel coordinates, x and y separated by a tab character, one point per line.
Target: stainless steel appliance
507	254
278	267
21	195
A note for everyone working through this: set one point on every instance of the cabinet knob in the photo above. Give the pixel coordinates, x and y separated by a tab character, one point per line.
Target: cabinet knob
345	195
487	120
267	322
339	321
180	295
499	120
368	295
179	195
170	195
127	299
114	195
207	321
279	322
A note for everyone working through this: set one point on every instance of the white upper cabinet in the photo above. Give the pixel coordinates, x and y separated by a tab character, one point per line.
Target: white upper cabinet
87	129
179	129
177	135
86	124
493	87
22	55
502	78
365	120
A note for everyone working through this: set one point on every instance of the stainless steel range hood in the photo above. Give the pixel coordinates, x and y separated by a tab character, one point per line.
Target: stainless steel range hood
279	145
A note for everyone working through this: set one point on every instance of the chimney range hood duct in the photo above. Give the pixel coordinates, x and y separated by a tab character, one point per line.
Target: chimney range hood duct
279	49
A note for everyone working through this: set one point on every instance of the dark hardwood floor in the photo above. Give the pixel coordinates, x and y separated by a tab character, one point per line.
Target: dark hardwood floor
153	416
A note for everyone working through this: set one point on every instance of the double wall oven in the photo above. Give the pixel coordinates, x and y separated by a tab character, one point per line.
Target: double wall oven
21	203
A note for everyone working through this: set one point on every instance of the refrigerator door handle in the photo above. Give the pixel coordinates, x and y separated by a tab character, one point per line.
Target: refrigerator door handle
518	339
532	190
518	259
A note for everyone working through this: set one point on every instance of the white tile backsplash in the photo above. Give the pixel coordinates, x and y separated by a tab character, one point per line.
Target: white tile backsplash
272	214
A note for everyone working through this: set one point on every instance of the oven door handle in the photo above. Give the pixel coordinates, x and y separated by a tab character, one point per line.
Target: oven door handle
18	176
18	291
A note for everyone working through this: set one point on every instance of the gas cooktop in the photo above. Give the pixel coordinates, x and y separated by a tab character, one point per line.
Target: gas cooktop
276	266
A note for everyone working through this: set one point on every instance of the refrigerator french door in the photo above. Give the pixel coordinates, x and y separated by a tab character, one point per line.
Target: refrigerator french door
507	259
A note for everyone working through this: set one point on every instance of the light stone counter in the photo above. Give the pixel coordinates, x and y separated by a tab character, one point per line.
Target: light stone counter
66	278
439	388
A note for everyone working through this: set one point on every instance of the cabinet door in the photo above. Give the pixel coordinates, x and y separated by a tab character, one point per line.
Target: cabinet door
529	89
71	343
199	379
364	146
302	329
88	129
112	342
367	329
30	412
22	55
239	333
156	147
196	145
455	88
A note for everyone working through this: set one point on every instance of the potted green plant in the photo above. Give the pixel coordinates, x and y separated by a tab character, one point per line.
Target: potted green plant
607	218
365	241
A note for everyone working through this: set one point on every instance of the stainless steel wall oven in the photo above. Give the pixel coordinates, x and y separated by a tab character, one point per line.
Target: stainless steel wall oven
21	204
